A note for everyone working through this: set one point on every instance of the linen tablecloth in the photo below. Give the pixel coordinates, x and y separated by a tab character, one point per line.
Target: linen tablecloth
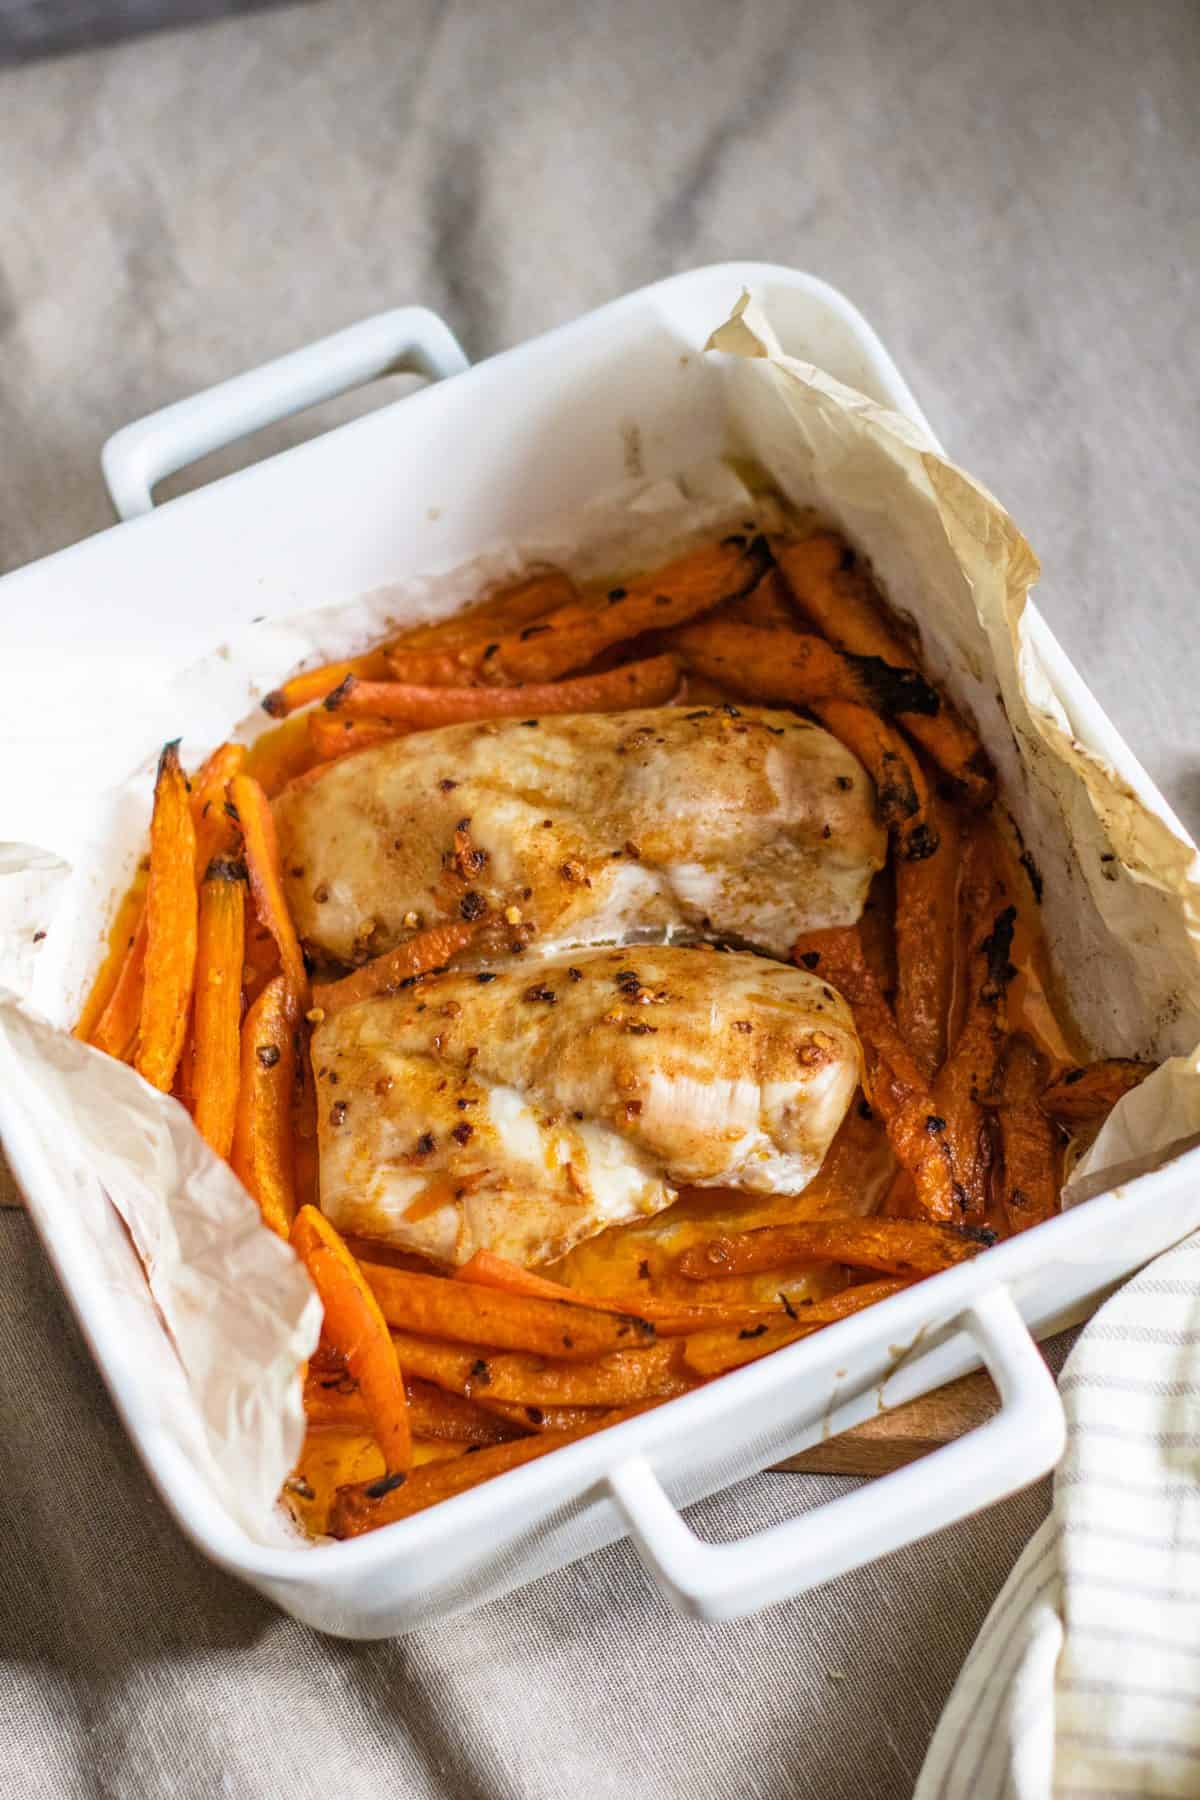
1009	194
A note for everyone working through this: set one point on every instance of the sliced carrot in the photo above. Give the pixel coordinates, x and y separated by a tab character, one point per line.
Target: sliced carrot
895	1085
615	1380
434	1307
711	1353
333	735
314	684
452	652
253	811
900	786
925	928
836	591
217	1015
116	1029
333	1399
796	669
428	950
366	1506
648	683
893	1246
1029	1148
354	1325
1082	1096
171	910
262	1153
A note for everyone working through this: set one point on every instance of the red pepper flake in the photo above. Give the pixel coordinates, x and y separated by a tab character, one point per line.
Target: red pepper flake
463	1133
267	1054
742	1025
472	906
426	1143
338	1111
574	974
447	786
544	994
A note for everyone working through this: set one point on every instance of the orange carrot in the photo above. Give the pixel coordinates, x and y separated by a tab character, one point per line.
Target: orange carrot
838	594
766	605
333	736
793	668
893	1246
1029	1149
171	909
925	928
1082	1096
452	652
333	1398
648	683
434	1307
220	956
711	1353
428	950
262	1154
615	1380
314	684
216	833
570	638
355	1326
116	1029
558	1418
900	786
365	1506
253	812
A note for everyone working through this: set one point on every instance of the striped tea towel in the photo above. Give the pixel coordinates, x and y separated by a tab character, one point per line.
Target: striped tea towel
1085	1679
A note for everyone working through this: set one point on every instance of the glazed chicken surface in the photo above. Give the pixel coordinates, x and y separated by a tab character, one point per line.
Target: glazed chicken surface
718	821
524	1110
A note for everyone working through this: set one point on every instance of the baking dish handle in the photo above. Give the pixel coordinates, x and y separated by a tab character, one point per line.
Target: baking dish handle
1020	1442
409	340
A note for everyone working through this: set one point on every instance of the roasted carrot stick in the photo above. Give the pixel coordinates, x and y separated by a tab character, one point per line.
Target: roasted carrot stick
216	831
451	653
434	1307
333	736
428	950
354	1325
1082	1096
900	787
615	1380
797	668
116	1029
711	1353
559	1418
893	1246
1029	1151
567	639
253	811
894	1083
262	1154
217	1017
171	909
314	684
368	1505
838	594
648	683
332	1399
925	926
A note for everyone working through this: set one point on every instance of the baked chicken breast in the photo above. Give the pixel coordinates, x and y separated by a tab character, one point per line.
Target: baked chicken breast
721	821
524	1110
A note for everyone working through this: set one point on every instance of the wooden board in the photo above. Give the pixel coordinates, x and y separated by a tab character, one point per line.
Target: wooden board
904	1434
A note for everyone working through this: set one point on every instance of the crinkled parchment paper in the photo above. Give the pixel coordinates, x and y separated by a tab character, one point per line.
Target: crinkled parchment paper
211	1349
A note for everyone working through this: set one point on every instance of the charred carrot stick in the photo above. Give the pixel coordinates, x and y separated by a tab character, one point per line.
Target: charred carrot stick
926	919
451	654
616	1380
1082	1096
900	787
648	683
365	1506
894	1083
332	735
669	1318
354	1325
570	639
434	1307
262	1154
253	812
333	1399
1029	1150
217	1017
428	950
797	668
314	684
893	1246
711	1353
171	909
835	590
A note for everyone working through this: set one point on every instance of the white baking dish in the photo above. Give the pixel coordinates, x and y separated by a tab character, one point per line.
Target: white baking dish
424	483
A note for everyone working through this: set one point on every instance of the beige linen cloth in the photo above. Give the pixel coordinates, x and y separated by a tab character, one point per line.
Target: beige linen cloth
1009	193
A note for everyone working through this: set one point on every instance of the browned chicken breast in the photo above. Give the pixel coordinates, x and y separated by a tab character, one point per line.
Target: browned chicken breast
741	823
526	1110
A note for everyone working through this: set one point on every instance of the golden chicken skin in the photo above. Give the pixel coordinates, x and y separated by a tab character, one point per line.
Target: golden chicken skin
526	1109
717	821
